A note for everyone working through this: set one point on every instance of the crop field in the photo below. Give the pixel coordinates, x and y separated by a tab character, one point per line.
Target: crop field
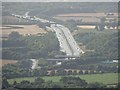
4	62
22	29
107	78
85	17
85	14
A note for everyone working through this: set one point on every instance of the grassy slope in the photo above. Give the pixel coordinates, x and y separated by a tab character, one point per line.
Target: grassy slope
108	78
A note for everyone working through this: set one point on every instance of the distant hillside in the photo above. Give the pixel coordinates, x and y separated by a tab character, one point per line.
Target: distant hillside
54	8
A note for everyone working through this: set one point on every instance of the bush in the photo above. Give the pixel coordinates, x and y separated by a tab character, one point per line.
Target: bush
96	85
73	82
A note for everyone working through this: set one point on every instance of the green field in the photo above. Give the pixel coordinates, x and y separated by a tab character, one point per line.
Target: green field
108	78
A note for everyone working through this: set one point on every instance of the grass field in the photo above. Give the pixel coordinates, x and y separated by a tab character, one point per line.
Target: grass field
108	78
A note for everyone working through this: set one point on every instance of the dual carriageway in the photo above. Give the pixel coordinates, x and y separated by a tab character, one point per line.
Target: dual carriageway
67	43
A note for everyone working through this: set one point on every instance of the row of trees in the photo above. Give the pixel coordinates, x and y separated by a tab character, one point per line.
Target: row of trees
88	67
70	72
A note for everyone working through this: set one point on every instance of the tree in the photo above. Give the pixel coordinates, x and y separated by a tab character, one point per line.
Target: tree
23	84
75	72
86	72
5	83
25	64
48	84
43	71
96	85
39	81
56	86
102	24
69	72
52	73
14	35
92	72
14	83
73	82
81	72
61	72
36	72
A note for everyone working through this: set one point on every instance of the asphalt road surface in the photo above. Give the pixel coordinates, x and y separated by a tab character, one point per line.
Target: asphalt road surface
67	42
